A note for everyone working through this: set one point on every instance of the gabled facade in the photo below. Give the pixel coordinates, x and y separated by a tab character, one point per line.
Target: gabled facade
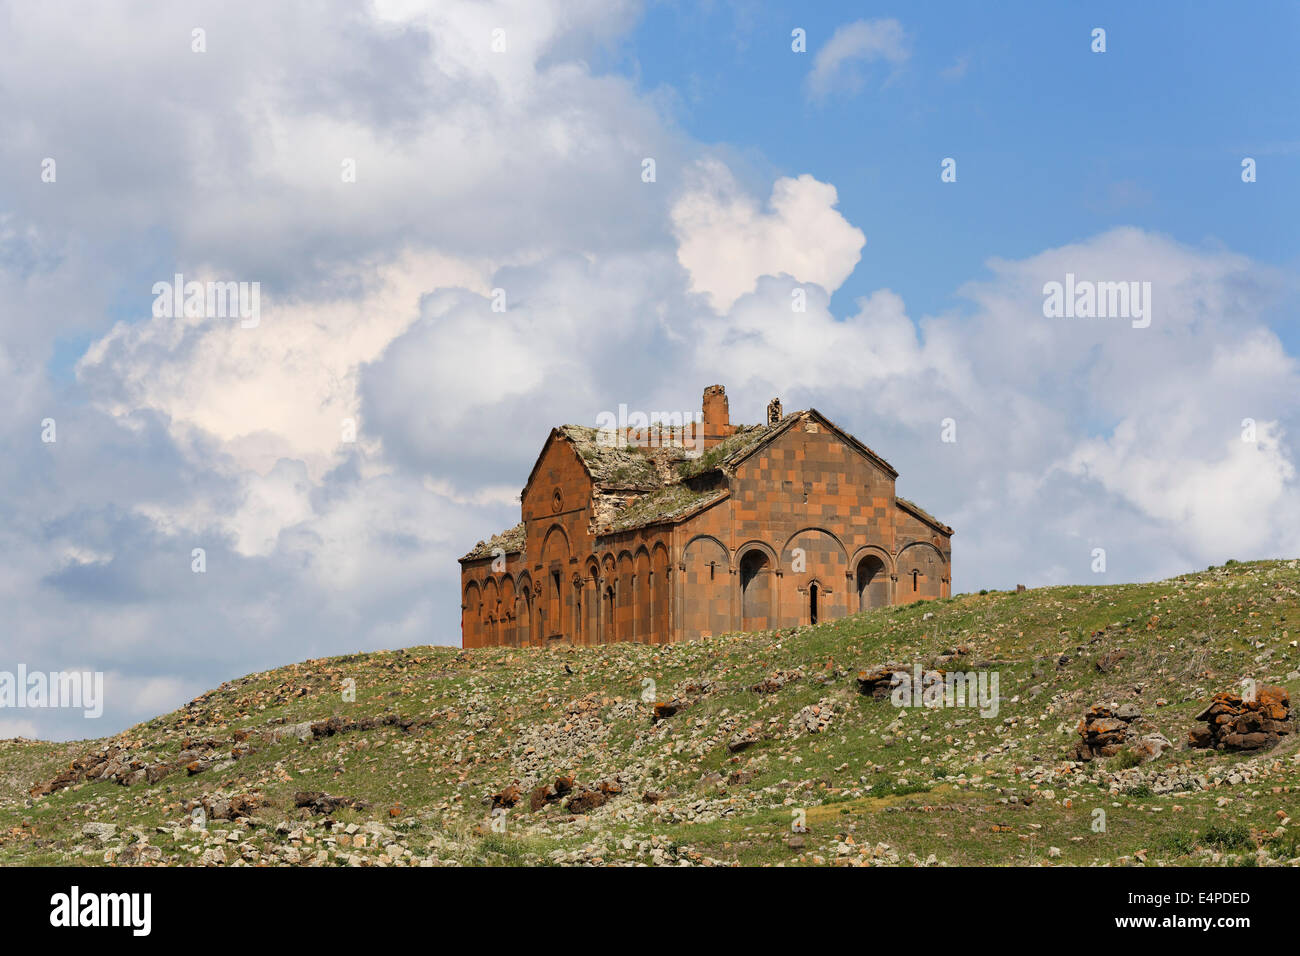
775	525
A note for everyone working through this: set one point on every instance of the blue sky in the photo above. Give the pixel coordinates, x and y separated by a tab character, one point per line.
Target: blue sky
520	169
1053	141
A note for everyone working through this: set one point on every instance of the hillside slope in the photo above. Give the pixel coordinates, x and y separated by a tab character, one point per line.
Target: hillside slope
756	733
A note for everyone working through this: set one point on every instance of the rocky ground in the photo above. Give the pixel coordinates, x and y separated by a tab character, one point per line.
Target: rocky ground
1109	747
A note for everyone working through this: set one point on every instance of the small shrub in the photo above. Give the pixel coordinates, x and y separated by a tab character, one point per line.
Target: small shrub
1124	760
1227	836
910	788
1180	843
1285	847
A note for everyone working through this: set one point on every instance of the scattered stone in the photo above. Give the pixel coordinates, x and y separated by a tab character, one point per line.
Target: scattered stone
814	718
100	831
743	739
774	682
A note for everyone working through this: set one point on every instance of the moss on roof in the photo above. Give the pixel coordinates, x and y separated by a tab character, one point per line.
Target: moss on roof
727	450
610	465
667	503
638	486
510	541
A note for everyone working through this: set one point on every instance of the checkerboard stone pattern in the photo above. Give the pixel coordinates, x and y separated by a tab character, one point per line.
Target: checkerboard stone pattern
806	526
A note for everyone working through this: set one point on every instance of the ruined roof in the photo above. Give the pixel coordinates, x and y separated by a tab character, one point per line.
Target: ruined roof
652	482
617	467
510	541
727	451
667	504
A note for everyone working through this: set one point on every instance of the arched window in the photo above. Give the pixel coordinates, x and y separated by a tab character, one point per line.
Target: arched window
554	621
525	628
577	613
610	636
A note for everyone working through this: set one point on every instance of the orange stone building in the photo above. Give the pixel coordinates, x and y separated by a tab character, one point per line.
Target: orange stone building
670	533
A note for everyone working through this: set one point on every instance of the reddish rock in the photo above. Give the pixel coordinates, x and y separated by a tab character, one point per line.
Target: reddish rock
665	709
507	797
1106	728
586	801
880	680
1234	723
1110	660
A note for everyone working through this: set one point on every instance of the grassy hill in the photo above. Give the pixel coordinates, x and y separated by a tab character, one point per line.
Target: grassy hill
765	730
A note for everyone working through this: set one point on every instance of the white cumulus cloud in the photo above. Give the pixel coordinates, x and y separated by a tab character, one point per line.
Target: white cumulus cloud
726	241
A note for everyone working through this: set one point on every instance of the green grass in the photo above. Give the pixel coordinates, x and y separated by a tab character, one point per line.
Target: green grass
945	783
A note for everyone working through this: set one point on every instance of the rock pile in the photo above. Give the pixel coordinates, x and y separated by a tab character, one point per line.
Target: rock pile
115	762
880	681
548	793
664	709
1106	729
215	806
814	718
744	739
775	681
589	798
1236	723
316	801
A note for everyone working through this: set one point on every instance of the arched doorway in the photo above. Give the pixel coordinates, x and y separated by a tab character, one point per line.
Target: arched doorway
755	591
873	583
